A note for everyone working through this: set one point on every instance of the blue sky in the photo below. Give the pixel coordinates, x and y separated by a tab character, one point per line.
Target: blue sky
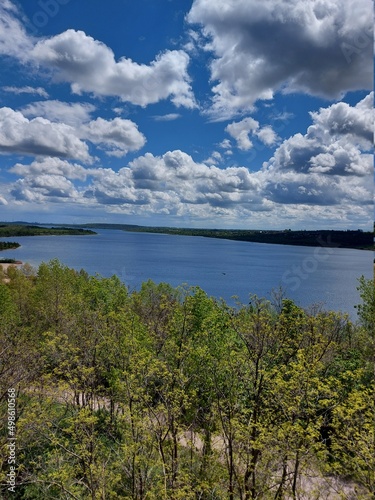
205	113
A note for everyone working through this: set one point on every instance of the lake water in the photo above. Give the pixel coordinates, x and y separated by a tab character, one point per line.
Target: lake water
223	268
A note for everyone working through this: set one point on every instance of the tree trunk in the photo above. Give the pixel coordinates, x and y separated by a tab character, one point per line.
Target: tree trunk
280	490
295	476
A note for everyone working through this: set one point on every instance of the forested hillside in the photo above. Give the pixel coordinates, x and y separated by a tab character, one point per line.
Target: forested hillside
7	230
322	237
166	393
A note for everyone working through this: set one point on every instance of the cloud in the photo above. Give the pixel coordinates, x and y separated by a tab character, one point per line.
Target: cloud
337	143
225	144
194	42
27	90
242	130
49	180
39	137
44	137
52	166
14	40
325	174
291	188
117	136
162	184
57	111
331	164
214	159
355	124
321	47
90	66
267	135
166	118
172	180
45	188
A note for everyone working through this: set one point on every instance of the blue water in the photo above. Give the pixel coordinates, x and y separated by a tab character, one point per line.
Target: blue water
223	268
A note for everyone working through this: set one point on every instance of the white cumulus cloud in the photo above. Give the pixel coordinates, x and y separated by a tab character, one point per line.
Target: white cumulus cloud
331	164
39	136
338	142
319	47
242	130
52	166
117	136
43	137
90	66
14	41
57	111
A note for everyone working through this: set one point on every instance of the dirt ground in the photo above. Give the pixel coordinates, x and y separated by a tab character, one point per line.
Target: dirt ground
5	268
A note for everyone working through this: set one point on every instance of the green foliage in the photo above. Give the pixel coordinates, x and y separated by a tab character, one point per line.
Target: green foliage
167	393
366	310
8	245
353	439
348	239
30	230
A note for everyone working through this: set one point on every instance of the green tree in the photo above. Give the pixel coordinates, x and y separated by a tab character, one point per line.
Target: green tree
353	440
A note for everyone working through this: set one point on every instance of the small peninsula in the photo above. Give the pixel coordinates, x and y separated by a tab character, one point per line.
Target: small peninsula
8	230
8	245
11	230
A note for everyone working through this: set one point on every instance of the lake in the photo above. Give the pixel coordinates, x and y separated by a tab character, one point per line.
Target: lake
223	268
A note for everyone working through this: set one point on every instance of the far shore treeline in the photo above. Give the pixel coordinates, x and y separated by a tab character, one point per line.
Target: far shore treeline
356	239
167	393
320	237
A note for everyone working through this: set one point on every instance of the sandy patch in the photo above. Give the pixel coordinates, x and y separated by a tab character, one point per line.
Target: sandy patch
5	267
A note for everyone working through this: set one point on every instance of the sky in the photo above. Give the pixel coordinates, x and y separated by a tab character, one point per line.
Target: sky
201	113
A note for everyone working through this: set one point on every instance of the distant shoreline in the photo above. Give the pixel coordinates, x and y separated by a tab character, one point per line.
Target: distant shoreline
354	239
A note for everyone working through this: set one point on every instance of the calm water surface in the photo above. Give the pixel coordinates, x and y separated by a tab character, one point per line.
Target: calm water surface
223	268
